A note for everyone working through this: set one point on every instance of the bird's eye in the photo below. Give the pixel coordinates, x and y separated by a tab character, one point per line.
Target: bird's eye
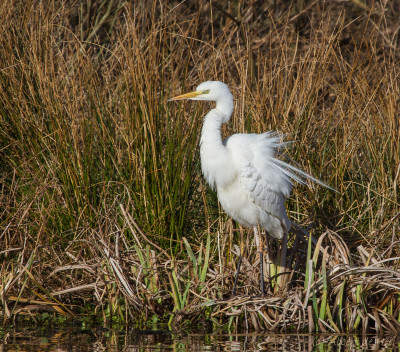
206	91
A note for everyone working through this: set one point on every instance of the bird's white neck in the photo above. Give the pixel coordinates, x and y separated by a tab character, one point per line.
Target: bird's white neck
211	132
225	108
213	152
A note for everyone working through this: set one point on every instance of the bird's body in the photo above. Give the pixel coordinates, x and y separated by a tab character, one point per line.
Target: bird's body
251	183
250	188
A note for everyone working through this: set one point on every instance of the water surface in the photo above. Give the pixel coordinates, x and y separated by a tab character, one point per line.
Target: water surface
34	338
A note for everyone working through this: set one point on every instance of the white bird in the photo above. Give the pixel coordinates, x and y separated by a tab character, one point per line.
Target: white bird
251	183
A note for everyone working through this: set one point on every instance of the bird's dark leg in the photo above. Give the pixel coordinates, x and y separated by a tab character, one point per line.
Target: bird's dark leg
260	246
262	274
236	276
239	262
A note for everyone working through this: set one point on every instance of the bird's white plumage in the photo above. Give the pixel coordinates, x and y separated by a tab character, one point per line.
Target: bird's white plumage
260	181
252	184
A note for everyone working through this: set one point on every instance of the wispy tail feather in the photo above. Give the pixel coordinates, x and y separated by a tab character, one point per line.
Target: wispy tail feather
298	175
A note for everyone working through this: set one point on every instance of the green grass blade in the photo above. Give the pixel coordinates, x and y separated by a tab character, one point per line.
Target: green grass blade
339	303
185	295
191	255
175	291
324	298
206	260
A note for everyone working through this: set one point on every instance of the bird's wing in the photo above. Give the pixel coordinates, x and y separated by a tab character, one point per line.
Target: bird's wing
265	180
254	155
259	151
261	179
270	195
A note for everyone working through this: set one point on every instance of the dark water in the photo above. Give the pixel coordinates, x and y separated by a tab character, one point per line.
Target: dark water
36	339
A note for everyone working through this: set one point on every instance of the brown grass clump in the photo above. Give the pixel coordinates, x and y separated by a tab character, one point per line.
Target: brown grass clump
104	211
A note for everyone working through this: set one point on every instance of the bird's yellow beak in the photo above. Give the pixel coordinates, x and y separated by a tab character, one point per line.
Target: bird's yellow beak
186	96
190	95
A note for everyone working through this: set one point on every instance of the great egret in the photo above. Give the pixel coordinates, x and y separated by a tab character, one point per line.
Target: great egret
251	183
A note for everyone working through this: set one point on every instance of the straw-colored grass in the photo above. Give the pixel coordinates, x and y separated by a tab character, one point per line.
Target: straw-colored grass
103	207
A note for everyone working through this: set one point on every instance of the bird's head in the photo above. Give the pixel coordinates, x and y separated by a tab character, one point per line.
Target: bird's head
209	91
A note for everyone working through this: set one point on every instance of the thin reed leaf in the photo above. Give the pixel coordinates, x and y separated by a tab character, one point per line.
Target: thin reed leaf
175	291
324	297
206	260
191	256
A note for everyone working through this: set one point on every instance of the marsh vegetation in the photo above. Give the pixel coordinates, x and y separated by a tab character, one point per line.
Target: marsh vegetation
104	211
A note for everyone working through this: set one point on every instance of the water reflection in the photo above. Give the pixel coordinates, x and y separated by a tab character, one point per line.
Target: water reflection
36	339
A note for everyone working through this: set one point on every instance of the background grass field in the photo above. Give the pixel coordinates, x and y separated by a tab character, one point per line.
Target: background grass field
103	209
